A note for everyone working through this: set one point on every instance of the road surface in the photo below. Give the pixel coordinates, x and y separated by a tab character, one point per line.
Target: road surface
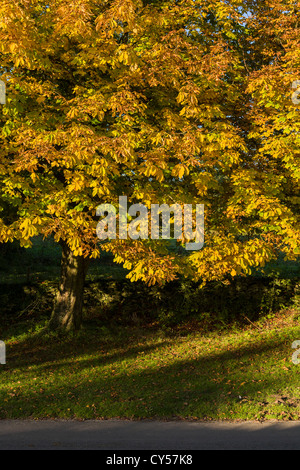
147	435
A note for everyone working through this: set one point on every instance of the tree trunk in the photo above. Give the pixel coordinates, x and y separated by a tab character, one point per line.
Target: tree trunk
67	311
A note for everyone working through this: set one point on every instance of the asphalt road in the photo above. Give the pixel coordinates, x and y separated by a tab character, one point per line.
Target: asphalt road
148	435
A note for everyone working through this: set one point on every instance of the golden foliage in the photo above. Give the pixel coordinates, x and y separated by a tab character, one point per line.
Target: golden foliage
186	101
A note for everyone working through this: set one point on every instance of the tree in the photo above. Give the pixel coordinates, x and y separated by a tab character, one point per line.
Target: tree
158	101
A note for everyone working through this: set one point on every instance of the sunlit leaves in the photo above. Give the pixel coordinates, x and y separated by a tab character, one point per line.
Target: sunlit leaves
163	102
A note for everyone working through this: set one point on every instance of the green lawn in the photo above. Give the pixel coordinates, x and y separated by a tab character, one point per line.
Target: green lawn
42	262
138	373
123	364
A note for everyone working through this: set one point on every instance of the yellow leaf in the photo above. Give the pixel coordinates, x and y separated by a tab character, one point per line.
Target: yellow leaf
181	172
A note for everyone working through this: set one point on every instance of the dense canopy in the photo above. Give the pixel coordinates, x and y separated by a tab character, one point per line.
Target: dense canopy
174	101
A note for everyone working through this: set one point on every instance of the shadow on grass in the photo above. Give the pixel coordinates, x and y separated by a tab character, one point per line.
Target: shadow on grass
104	347
137	381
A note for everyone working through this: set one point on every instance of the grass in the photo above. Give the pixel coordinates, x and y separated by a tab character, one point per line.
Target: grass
42	262
136	373
111	369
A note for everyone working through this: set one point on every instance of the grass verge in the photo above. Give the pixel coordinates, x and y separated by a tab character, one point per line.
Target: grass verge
136	373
